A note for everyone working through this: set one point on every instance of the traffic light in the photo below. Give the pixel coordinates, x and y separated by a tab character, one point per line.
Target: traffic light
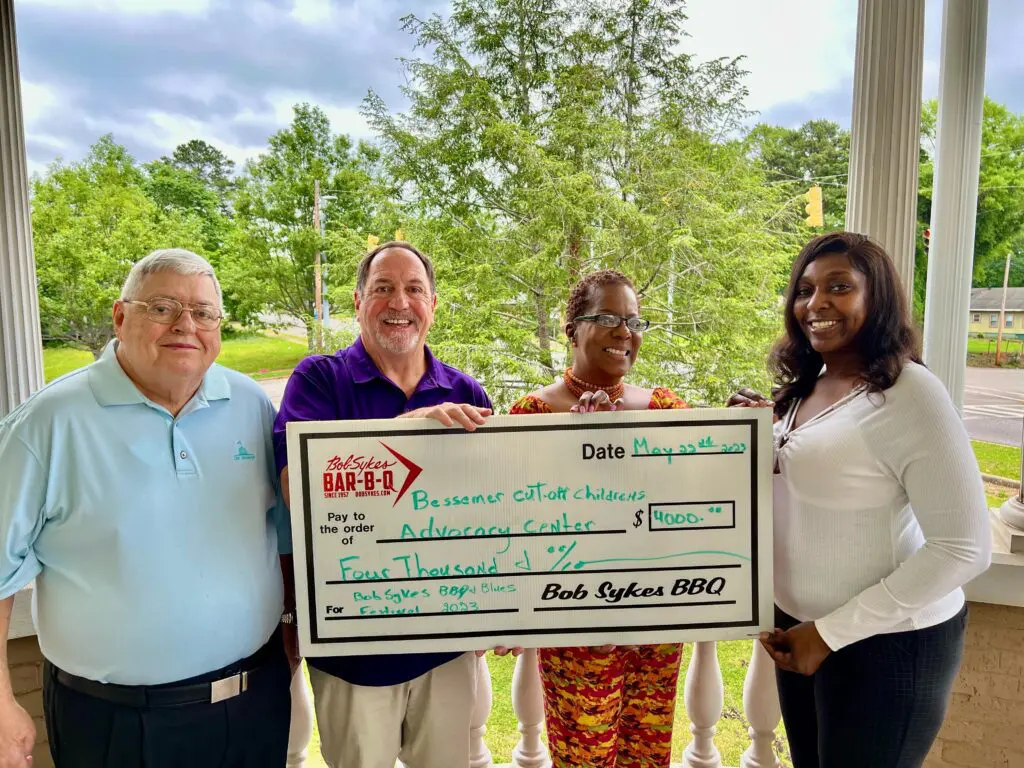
815	217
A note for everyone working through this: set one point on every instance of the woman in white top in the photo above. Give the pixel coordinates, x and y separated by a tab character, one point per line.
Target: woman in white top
880	517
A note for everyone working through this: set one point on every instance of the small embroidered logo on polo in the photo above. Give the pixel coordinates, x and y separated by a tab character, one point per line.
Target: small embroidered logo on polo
242	454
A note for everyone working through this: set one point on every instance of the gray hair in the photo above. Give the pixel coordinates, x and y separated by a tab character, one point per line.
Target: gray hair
363	270
177	260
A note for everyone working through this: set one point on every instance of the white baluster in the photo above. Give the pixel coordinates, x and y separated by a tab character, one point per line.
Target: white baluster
761	707
704	696
301	729
479	754
528	703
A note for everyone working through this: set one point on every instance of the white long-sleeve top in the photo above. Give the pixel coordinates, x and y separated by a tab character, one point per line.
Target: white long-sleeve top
880	513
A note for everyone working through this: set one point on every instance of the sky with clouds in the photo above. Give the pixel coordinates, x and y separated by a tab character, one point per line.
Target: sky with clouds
156	73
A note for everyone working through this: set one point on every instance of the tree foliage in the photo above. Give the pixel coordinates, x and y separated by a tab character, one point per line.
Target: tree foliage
91	220
545	140
274	250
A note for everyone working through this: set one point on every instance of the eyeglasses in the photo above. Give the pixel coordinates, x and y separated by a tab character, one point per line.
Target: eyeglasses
635	324
167	311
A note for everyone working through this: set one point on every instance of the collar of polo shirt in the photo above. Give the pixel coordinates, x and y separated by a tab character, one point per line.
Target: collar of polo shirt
111	385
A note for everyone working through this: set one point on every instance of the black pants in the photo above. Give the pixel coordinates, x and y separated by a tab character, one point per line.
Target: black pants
247	731
879	702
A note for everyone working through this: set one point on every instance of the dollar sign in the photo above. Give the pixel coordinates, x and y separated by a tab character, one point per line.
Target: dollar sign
639	518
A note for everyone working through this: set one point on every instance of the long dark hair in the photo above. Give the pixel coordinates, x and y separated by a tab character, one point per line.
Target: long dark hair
886	341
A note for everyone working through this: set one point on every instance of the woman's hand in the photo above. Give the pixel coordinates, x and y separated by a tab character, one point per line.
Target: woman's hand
748	398
799	649
596	401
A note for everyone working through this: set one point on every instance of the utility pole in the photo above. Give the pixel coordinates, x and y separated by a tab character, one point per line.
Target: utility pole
1002	311
318	304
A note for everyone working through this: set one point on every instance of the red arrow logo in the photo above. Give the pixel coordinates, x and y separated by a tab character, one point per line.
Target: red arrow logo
414	472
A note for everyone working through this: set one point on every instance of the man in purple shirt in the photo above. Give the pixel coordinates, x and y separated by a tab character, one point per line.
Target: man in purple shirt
371	710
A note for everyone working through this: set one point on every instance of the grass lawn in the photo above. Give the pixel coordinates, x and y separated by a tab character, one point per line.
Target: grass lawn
731	738
981	346
254	354
999	460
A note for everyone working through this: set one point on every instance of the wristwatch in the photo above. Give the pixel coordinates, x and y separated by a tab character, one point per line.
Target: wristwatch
288	618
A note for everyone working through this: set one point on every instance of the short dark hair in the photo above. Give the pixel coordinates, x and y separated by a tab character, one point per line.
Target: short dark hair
887	340
583	293
363	271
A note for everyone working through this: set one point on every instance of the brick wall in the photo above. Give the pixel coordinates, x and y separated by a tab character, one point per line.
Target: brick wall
26	666
984	727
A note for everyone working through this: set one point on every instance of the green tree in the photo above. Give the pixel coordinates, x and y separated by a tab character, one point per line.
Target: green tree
91	221
270	260
818	152
544	141
211	166
999	226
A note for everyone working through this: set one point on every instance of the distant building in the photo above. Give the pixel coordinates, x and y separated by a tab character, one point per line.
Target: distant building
985	306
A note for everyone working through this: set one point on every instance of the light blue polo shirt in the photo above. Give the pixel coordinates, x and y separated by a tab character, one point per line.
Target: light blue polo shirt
153	540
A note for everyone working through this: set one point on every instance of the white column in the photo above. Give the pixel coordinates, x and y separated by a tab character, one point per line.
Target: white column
479	754
885	133
955	197
528	703
761	707
704	695
21	361
301	729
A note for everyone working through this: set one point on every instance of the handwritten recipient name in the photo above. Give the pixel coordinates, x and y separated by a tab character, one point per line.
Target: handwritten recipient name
434	530
706	445
611	593
533	493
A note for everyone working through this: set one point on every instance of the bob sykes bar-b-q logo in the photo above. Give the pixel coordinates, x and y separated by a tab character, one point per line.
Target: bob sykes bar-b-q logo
369	475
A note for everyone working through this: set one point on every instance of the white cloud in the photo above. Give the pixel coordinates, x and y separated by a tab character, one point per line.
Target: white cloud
343	119
37	101
128	7
794	48
312	12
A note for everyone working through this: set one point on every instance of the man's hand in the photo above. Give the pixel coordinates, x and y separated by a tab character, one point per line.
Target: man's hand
449	414
17	735
799	649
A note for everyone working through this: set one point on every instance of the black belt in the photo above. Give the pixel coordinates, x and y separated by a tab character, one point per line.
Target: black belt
224	684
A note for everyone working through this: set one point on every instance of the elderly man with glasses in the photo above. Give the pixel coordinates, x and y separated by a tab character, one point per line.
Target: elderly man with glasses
140	494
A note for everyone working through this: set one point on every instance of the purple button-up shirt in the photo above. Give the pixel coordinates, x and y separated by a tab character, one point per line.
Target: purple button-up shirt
348	385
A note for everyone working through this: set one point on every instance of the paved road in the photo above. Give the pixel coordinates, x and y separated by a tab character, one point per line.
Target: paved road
274	388
994	404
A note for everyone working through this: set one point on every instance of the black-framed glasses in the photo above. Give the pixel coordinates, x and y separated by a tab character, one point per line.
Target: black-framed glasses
167	311
608	320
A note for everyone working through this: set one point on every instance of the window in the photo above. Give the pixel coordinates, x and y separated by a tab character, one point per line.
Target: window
1009	321
993	321
977	317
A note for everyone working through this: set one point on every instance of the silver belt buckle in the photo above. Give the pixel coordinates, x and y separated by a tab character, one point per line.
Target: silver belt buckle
229	687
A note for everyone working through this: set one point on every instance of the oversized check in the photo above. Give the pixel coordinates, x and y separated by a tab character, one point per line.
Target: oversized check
541	530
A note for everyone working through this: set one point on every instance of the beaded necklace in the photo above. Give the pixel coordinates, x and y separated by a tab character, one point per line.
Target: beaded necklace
578	386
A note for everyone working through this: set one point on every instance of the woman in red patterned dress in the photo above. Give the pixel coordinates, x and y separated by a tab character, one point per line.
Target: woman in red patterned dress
607	707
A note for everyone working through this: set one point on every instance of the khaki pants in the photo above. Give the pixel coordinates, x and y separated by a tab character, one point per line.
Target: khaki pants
424	723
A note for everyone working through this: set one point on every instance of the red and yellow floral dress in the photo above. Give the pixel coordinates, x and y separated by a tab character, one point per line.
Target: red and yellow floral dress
609	710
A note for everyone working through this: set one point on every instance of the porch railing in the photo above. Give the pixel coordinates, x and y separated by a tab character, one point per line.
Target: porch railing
703	695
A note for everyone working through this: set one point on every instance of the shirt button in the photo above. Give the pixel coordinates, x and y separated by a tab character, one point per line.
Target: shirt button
183	454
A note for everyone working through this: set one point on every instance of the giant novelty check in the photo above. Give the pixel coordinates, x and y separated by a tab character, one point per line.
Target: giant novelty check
540	530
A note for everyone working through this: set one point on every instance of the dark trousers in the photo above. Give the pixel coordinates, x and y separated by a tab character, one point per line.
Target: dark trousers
247	731
879	702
